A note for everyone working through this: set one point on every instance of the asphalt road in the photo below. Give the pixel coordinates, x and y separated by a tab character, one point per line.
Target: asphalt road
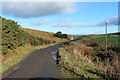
39	64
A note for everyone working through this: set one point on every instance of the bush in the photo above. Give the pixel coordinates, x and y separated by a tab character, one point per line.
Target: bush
60	35
116	49
13	36
93	45
103	56
64	36
36	41
4	50
47	42
54	41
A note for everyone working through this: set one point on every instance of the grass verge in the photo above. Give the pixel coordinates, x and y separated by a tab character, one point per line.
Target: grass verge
88	58
74	65
17	55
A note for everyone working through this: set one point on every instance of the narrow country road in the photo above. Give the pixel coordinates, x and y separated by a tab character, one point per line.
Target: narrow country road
39	64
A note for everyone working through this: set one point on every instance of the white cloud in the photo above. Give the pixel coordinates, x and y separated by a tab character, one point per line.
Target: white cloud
41	22
60	0
74	25
111	21
35	9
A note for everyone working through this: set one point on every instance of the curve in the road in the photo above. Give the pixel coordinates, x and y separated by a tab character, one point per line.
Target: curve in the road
39	64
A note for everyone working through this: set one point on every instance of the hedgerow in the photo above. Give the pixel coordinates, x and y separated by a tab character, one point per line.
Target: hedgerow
13	36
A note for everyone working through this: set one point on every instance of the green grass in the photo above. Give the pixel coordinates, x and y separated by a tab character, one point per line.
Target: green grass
17	55
111	39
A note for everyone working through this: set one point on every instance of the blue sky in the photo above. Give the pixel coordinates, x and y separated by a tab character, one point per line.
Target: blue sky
70	18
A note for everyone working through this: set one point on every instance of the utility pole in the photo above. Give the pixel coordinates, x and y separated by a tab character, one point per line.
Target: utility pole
106	35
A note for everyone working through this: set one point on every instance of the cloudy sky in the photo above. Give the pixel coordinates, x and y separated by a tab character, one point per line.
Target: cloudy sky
68	17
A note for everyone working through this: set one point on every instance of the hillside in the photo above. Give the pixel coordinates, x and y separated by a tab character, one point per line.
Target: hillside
18	43
44	35
13	37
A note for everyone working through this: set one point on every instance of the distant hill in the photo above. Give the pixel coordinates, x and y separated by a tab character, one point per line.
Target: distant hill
45	35
117	33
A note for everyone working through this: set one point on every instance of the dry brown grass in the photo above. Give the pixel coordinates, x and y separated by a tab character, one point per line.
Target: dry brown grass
82	49
44	35
85	52
75	64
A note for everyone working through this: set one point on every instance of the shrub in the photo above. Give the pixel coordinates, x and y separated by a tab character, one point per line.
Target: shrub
93	45
64	36
13	36
47	42
54	41
60	35
34	42
4	49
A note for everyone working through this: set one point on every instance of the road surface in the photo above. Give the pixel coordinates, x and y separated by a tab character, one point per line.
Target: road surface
39	64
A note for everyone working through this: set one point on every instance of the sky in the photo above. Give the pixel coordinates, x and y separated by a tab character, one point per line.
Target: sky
67	17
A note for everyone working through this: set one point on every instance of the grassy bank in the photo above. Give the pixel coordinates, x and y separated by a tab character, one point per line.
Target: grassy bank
17	55
88	58
75	65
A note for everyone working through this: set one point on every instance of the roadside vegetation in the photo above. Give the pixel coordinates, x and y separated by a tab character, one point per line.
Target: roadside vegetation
17	42
88	58
13	37
17	55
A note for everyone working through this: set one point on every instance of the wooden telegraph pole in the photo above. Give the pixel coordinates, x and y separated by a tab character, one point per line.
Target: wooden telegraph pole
106	35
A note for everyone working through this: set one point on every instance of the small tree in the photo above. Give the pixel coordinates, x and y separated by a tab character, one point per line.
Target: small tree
59	32
64	36
60	35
